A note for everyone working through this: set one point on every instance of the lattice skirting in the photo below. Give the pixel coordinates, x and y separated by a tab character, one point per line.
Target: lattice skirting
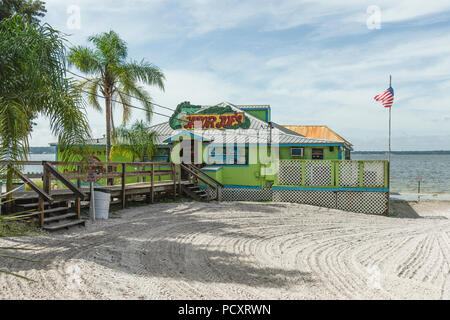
246	194
354	201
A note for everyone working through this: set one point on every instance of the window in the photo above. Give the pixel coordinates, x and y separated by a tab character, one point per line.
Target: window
231	155
317	154
296	152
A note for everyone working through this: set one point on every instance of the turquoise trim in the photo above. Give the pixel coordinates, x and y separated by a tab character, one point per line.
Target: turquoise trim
212	169
242	187
330	189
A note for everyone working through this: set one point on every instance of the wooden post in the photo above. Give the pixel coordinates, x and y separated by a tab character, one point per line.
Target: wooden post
78	179
78	200
159	169
46	179
179	181
152	181
78	206
174	178
137	171
41	210
9	187
208	193
124	196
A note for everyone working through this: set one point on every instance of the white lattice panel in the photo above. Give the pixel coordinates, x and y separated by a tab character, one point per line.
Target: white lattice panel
348	173
290	172
316	198
364	202
246	194
318	173
373	174
354	201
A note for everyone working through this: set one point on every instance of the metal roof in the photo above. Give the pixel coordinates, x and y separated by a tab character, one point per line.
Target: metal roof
259	132
317	132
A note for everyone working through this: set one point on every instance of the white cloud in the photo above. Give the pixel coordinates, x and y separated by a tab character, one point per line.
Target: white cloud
325	74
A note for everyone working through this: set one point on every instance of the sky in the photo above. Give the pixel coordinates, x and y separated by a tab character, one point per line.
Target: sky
314	62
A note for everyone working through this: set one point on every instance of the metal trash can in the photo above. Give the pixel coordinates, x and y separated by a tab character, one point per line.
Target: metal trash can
102	201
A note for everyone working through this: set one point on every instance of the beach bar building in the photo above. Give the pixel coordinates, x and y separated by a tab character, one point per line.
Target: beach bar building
255	159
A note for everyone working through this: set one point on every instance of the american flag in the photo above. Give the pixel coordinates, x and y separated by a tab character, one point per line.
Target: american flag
386	98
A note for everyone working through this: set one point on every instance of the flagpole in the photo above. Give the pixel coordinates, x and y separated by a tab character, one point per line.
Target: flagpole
389	152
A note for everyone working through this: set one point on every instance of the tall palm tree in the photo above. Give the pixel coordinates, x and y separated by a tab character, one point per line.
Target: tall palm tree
114	77
33	83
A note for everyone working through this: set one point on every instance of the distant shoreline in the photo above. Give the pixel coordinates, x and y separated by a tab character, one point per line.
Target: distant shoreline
403	152
51	150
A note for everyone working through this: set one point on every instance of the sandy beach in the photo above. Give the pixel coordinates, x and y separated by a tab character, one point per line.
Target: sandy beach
240	250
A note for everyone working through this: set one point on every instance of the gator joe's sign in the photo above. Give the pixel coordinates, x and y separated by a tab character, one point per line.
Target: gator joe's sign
213	121
190	117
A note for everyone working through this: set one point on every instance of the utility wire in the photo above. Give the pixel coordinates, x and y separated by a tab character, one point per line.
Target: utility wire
131	96
164	115
127	104
139	108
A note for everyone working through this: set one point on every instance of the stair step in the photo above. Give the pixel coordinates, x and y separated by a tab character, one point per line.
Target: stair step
60	217
33	205
58	209
64	224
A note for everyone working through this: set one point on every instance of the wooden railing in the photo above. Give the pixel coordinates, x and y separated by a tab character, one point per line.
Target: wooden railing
210	182
71	174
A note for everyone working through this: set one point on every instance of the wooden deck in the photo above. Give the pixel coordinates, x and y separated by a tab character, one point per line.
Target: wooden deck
114	190
47	201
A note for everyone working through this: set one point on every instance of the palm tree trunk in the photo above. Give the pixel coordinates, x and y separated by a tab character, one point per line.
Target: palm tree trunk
109	181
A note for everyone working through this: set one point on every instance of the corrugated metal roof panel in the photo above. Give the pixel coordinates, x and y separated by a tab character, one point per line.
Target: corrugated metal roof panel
317	132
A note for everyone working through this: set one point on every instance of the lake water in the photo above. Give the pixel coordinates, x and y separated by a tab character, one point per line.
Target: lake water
405	168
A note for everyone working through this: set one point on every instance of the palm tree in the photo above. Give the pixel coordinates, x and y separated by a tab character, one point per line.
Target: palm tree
115	78
33	83
137	142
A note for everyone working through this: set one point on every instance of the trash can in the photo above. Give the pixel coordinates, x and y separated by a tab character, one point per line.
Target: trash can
102	200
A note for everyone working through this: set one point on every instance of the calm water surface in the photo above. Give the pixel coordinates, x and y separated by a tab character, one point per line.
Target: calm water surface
405	168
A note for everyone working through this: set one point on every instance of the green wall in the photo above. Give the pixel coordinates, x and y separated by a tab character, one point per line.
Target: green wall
262	114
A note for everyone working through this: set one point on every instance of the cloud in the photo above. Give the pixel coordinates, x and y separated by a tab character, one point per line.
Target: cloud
314	62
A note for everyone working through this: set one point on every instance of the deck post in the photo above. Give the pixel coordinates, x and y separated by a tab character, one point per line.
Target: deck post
78	179
9	188
208	194
152	181
78	206
174	178
179	181
41	211
124	196
78	199
46	178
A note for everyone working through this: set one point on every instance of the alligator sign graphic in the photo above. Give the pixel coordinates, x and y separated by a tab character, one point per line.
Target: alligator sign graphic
188	116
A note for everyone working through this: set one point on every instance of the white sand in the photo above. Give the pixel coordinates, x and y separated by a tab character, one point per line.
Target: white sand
239	251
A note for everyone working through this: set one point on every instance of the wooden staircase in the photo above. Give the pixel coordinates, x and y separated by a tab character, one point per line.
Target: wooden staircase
57	215
194	191
211	190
